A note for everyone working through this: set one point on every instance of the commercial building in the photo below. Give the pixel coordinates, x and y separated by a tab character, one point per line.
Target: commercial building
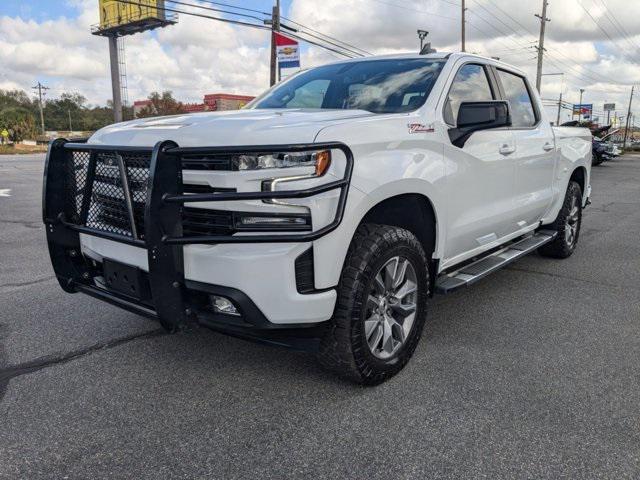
211	102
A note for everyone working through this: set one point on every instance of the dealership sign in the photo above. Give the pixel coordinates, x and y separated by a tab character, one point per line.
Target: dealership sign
288	51
609	107
584	110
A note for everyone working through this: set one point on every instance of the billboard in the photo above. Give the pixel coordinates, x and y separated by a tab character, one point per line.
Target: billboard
288	51
609	107
584	110
125	17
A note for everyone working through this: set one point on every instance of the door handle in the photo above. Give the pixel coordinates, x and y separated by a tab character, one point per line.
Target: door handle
507	149
548	147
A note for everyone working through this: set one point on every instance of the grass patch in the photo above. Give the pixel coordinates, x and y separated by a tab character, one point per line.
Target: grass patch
21	149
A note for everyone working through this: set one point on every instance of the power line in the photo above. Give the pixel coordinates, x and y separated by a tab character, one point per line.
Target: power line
353	52
202	15
228	5
235	22
618	26
324	35
416	10
564	64
212	9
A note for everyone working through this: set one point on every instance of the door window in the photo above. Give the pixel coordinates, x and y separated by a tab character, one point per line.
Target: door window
310	95
517	94
471	84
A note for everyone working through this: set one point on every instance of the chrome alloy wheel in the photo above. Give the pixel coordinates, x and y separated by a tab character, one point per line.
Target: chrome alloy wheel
391	307
572	223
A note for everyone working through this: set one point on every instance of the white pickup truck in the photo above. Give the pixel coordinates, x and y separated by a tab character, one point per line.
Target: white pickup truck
325	214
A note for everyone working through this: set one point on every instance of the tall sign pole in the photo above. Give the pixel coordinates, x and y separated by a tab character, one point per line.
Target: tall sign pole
127	17
463	27
543	23
275	27
115	78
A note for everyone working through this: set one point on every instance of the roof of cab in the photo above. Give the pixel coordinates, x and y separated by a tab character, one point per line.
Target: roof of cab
434	56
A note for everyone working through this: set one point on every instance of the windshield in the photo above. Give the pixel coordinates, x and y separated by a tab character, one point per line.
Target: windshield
378	86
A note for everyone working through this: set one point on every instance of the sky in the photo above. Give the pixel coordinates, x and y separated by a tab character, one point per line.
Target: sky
595	43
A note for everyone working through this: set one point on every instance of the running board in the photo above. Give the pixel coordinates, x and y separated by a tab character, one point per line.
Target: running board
473	272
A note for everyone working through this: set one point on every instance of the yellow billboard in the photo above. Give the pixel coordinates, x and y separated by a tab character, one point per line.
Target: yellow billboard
116	13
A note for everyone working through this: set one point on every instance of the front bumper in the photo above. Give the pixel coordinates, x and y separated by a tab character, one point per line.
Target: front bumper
264	272
182	270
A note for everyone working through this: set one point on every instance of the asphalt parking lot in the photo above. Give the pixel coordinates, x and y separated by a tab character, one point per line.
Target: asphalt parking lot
532	373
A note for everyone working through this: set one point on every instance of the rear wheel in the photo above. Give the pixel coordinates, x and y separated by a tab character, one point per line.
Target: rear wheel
567	224
381	305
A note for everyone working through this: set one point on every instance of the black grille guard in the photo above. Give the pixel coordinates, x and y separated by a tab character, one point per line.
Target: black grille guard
163	237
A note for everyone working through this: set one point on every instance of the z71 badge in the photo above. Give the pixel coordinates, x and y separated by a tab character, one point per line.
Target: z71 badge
420	128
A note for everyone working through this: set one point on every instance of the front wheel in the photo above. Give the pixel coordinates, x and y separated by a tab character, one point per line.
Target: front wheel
567	225
381	305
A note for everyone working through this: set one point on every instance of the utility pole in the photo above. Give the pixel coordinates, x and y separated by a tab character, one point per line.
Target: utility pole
626	130
70	127
463	26
115	78
580	105
40	88
561	74
543	23
275	27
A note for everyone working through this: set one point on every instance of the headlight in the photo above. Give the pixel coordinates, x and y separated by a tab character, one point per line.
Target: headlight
320	160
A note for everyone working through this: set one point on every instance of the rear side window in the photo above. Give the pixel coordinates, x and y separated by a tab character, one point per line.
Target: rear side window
516	92
471	84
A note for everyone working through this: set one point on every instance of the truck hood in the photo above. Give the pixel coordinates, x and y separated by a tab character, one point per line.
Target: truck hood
230	128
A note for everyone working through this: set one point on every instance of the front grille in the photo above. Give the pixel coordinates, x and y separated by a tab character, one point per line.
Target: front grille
106	207
96	197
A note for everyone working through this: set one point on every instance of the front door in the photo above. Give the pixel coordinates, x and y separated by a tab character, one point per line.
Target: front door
480	176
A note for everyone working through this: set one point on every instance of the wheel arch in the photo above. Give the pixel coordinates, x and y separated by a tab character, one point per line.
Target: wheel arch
412	211
579	175
376	205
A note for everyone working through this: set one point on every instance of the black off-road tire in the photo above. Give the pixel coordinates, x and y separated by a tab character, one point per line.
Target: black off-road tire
561	247
344	348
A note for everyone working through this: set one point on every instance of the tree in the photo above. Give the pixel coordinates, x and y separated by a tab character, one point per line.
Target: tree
20	123
57	112
17	98
160	105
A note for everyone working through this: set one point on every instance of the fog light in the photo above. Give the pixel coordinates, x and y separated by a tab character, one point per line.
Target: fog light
273	221
223	305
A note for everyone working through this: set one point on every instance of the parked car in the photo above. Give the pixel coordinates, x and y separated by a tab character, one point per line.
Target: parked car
327	213
602	151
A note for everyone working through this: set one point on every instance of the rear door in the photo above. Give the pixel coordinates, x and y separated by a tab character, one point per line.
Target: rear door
481	175
535	156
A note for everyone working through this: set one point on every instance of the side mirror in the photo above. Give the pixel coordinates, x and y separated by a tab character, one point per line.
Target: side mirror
476	116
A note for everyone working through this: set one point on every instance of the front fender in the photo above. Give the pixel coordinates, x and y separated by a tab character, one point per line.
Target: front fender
330	251
389	160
